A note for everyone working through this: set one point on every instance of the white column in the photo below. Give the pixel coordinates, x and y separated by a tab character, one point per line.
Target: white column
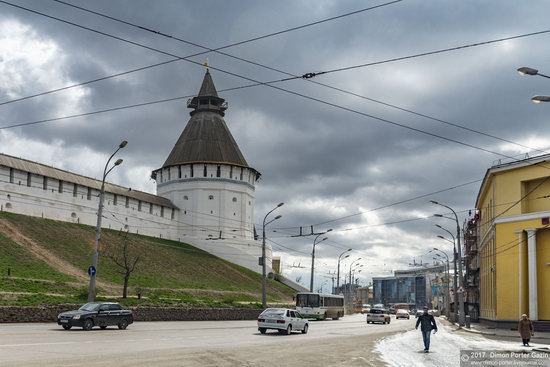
521	272
532	266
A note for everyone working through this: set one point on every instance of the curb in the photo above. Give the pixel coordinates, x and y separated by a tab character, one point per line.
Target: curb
494	333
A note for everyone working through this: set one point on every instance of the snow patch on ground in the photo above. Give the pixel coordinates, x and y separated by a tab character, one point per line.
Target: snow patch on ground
407	349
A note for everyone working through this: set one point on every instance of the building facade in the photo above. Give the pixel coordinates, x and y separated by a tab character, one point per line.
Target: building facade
205	190
514	242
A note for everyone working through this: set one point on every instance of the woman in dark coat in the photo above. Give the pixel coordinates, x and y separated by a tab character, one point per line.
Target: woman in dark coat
525	328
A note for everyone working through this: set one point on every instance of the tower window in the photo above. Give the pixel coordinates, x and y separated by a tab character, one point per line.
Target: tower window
75	190
89	195
115	199
179	171
127	202
11	175
211	197
191	171
169	173
161	176
29	179
173	214
234	200
150	208
186	197
60	188
205	173
45	183
231	172
139	205
242	173
162	211
218	171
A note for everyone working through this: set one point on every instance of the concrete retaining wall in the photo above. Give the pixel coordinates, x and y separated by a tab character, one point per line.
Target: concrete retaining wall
49	313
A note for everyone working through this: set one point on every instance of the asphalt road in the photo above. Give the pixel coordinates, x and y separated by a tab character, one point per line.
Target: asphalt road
346	342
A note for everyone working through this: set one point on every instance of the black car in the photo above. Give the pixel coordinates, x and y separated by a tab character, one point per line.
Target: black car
100	314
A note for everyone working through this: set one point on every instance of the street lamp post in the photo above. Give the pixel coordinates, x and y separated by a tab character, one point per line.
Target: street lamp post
460	274
264	278
350	285
93	269
313	256
338	273
448	296
524	70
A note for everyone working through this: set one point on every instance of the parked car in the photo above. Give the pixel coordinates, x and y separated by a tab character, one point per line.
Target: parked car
283	320
402	314
392	310
419	312
378	315
366	308
100	314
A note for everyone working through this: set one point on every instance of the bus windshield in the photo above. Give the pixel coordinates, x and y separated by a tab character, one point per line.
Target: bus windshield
307	300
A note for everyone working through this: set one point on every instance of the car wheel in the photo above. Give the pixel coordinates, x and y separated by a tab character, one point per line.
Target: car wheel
336	317
88	324
288	330
103	327
383	322
123	324
304	330
262	330
389	321
67	327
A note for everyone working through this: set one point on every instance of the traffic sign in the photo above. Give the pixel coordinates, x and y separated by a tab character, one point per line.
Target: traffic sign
91	271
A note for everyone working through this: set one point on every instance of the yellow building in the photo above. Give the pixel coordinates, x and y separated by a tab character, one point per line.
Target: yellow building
514	242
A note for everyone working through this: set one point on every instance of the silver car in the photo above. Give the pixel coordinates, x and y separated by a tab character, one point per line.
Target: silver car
283	320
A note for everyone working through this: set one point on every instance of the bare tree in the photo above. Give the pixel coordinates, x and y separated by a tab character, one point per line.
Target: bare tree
127	263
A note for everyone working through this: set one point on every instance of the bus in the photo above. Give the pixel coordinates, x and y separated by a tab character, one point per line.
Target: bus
320	306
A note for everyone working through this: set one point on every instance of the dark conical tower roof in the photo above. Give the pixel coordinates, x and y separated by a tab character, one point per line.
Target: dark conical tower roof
206	138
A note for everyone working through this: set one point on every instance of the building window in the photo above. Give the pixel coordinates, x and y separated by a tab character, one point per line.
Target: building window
192	174
75	190
218	171
242	173
185	197
45	183
205	172
127	202
162	211
169	173
210	197
139	205
89	196
161	176
179	171
11	175
60	188
234	200
150	208
29	179
173	214
231	172
115	199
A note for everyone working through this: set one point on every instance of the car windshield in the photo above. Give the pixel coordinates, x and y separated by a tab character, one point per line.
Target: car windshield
90	307
376	311
274	311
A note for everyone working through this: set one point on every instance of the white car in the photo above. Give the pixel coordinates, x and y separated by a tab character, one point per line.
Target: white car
283	320
378	315
402	314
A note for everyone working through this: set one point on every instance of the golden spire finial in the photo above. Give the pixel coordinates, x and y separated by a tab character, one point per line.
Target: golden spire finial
205	63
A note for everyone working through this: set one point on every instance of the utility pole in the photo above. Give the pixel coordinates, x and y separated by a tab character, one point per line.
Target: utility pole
313	256
262	259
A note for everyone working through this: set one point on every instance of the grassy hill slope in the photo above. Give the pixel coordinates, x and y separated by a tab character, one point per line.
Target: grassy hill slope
48	260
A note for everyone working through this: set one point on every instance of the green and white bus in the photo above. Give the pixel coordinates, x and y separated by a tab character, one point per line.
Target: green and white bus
320	306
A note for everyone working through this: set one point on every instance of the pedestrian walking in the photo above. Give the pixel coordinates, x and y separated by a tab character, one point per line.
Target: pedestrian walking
525	328
427	324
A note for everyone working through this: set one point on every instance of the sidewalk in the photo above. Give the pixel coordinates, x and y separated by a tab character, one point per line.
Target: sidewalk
541	337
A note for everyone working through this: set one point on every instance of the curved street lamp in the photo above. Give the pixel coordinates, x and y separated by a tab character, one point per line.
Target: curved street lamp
459	253
448	305
338	273
262	259
524	70
313	256
93	268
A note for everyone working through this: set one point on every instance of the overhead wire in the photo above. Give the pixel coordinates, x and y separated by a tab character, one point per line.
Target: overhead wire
308	76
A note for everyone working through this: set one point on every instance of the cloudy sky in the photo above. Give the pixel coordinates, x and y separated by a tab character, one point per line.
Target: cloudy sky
338	161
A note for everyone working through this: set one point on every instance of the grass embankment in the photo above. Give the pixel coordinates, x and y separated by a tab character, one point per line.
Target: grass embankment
168	272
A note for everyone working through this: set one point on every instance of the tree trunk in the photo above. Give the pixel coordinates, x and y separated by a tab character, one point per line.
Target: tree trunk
125	288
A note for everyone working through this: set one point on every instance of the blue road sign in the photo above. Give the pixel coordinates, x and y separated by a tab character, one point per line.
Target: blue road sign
91	271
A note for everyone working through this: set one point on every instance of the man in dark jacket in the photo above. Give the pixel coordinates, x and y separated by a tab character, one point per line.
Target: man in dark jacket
427	324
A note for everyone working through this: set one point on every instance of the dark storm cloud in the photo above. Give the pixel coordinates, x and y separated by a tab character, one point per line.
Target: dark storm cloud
322	161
